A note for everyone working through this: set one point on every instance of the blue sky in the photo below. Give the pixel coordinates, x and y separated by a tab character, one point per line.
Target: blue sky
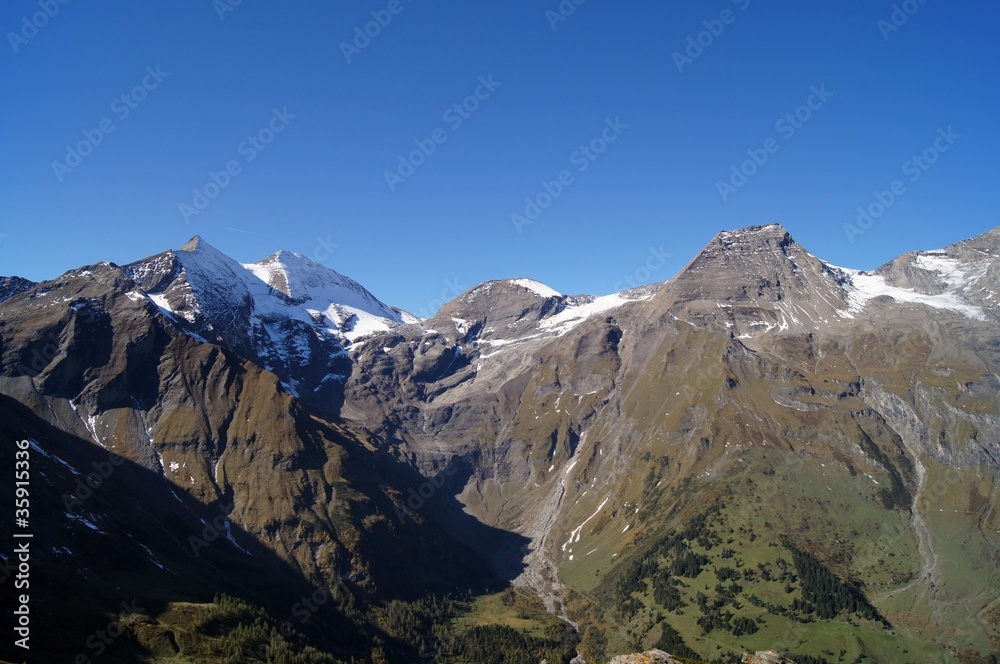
200	77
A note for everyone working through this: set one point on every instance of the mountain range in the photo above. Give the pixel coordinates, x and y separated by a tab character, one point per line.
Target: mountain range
265	462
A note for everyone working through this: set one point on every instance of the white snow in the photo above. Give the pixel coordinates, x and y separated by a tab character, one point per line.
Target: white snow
229	536
38	448
952	273
502	343
159	457
575	535
286	290
570	317
536	287
85	521
152	558
866	287
316	289
89	423
160	300
92	428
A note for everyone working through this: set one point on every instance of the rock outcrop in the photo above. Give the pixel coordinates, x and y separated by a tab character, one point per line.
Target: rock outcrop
648	657
766	657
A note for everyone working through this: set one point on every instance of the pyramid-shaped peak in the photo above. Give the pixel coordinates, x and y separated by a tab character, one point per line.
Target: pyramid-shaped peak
193	244
753	243
198	244
301	279
288	254
758	262
757	234
293	259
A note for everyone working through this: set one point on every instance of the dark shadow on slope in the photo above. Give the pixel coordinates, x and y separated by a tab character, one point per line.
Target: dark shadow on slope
426	511
89	567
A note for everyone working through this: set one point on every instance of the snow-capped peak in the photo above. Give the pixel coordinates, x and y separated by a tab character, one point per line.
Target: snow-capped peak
304	281
199	282
536	287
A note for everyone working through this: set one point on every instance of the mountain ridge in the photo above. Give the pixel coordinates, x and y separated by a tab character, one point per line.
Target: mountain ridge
595	453
274	269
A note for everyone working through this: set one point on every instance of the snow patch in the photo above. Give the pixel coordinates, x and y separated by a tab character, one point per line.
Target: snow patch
866	287
85	521
572	316
574	536
536	287
38	448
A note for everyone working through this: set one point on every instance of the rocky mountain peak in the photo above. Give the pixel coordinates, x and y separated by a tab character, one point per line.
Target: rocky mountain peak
198	243
754	234
302	280
756	279
757	253
11	286
500	309
754	246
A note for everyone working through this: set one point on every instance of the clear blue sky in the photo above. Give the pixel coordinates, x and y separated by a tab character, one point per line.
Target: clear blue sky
449	224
